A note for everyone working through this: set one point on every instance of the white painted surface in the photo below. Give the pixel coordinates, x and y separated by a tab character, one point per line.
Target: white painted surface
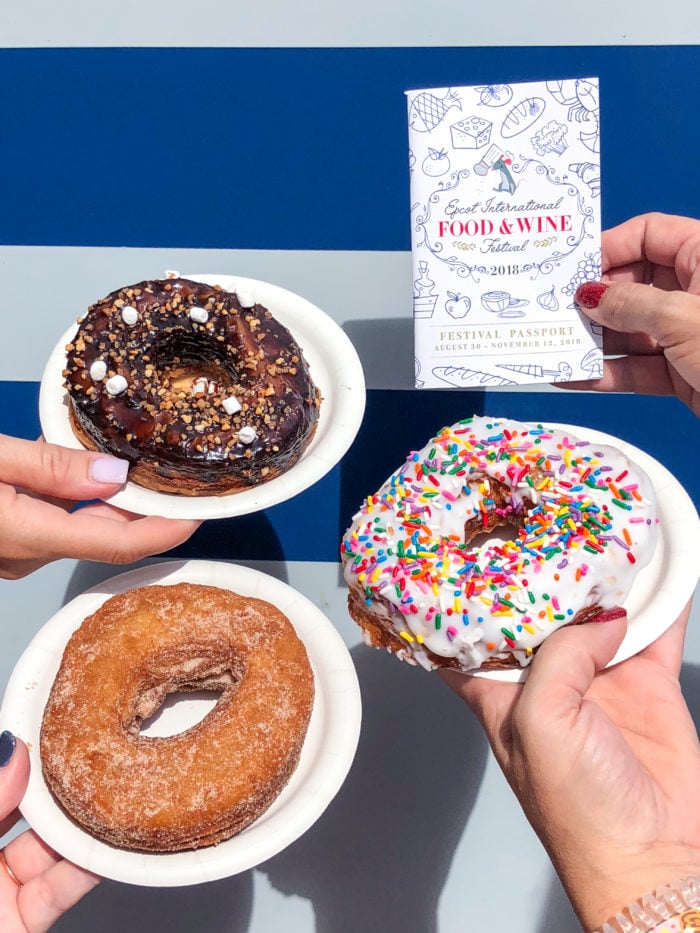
336	23
367	293
424	837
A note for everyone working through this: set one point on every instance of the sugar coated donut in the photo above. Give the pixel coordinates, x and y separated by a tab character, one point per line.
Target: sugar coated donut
429	580
164	794
202	390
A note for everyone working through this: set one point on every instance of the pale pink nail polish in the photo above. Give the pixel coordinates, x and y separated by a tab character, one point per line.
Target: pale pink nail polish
109	470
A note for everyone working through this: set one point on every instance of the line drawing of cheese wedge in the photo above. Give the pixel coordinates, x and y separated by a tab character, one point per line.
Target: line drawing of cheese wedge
460	376
522	116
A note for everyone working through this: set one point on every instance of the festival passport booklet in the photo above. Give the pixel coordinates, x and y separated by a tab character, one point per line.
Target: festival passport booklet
505	224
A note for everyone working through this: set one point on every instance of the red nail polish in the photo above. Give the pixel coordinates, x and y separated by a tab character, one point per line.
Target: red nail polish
609	615
589	294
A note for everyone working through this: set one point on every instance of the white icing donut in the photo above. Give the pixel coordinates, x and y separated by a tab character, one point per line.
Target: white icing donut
582	519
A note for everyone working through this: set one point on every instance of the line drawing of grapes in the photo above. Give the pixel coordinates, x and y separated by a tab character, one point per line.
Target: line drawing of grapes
588	269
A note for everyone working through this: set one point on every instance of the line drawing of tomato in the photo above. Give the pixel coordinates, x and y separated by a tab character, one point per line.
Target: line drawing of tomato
436	163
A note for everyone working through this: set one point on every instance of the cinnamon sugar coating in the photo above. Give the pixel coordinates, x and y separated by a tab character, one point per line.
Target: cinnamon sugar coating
204	785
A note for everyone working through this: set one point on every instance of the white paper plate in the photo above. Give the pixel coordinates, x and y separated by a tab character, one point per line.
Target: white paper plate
326	756
335	369
664	586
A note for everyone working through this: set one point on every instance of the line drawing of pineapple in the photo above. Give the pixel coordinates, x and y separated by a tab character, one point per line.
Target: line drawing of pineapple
428	110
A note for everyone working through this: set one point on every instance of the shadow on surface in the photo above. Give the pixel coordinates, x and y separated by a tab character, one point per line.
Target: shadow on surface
218	907
690	685
557	912
385	348
378	857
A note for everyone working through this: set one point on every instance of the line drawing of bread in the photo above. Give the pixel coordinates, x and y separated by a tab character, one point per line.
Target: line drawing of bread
459	376
522	116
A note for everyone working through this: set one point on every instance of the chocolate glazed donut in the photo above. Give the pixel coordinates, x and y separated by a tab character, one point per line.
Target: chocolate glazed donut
202	395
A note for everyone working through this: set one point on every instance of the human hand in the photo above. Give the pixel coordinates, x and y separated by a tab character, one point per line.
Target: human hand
36	884
40	483
605	763
656	331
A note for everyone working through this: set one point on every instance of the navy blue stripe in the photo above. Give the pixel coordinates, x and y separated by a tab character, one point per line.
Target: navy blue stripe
293	148
309	527
19	409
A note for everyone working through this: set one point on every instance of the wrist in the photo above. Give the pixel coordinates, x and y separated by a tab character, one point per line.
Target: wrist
599	887
671	908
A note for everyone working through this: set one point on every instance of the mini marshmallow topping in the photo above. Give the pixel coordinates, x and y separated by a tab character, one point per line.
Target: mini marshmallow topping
129	315
231	405
247	435
199	315
115	385
98	370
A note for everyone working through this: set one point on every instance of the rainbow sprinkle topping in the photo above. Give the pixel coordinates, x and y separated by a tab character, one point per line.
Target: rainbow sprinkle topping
580	518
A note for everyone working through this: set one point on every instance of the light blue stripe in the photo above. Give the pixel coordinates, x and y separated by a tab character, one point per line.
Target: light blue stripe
270	23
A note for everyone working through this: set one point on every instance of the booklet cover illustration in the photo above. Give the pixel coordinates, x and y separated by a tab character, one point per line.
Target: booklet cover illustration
505	224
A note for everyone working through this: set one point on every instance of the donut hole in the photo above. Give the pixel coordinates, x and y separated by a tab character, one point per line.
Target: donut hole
175	694
192	366
180	710
498	535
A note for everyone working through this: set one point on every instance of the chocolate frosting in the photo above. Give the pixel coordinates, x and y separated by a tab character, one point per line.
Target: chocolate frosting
218	396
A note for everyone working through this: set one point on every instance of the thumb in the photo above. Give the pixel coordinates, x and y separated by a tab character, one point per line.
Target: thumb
51	470
669	317
566	663
14	774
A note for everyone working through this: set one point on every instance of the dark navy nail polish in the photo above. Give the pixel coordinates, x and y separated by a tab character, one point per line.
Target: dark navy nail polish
8	743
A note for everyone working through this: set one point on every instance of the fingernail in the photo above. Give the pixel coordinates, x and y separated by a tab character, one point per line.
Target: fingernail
609	615
109	470
8	743
589	294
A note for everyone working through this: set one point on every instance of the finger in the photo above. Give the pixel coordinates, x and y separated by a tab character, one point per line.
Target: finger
29	855
488	699
564	667
491	702
58	471
14	774
668	317
44	532
44	898
121	538
647	375
616	344
661	239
